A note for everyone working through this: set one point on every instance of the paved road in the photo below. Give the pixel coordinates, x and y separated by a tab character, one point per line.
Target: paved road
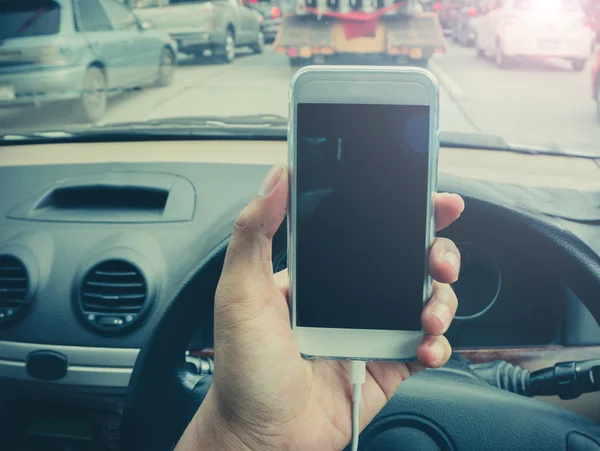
536	103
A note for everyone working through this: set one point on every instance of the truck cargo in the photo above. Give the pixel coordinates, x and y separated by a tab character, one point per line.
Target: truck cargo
328	31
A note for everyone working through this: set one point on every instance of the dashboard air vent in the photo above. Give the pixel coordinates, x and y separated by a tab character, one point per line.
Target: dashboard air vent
113	295
14	287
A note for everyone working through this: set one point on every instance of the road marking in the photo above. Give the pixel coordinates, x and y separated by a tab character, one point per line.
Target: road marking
455	90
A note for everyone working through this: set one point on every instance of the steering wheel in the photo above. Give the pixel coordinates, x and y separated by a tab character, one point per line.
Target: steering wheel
443	409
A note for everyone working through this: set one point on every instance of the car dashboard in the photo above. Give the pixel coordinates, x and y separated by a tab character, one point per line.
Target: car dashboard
96	239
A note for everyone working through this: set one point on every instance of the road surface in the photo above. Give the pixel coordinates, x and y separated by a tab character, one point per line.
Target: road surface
541	103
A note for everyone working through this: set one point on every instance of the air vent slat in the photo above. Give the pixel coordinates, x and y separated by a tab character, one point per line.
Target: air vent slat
97	308
112	297
14	286
115	284
116	273
112	289
13	290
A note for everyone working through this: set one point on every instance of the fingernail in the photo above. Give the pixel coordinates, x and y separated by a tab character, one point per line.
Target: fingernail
270	180
438	352
442	312
451	258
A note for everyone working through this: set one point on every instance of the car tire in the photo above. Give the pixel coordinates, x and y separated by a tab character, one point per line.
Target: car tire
478	50
226	53
92	104
578	64
502	61
166	68
259	45
422	63
597	87
299	62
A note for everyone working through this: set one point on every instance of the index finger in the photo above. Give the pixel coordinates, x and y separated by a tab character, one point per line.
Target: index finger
448	207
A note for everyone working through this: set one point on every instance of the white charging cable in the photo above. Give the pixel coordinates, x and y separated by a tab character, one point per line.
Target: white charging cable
358	374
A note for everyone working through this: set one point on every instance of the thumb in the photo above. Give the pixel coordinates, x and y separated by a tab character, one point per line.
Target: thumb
249	256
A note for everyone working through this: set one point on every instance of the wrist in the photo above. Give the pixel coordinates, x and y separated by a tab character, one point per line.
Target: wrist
211	430
214	433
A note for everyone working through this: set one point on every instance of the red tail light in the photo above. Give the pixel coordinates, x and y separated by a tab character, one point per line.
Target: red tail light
275	12
437	6
472	12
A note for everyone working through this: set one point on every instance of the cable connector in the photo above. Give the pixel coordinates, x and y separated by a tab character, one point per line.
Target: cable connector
358	374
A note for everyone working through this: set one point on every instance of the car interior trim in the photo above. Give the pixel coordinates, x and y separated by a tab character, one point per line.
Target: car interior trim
76	355
91	367
501	167
532	358
89	376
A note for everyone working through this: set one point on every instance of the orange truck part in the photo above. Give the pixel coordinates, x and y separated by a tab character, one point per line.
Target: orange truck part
418	36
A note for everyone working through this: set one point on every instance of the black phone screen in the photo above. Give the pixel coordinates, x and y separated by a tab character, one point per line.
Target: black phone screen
361	215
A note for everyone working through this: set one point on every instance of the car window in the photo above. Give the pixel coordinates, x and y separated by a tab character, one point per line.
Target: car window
91	16
122	17
26	18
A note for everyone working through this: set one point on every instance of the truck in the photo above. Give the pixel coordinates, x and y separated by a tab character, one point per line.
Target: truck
394	32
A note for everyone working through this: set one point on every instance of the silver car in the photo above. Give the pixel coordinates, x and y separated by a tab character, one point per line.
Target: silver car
82	51
203	27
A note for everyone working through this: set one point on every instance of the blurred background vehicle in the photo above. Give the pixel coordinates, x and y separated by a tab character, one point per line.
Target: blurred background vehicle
271	17
392	31
595	78
507	29
206	28
82	51
463	24
446	11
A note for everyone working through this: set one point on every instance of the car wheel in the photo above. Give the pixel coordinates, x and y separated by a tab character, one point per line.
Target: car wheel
578	64
227	53
478	50
597	84
91	106
423	63
500	58
299	62
259	45
166	68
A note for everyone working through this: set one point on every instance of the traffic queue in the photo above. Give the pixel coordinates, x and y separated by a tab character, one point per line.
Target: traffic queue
86	51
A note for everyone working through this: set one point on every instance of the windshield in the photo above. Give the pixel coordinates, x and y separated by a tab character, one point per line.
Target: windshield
527	71
28	18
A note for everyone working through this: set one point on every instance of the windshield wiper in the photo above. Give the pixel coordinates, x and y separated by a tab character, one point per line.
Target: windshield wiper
250	121
254	126
481	141
258	126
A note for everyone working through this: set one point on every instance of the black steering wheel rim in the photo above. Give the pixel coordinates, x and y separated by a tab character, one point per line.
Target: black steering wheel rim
163	397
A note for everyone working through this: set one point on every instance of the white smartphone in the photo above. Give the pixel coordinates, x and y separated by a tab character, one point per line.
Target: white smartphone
363	151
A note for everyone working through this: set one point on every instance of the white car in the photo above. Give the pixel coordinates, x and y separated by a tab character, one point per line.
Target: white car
506	29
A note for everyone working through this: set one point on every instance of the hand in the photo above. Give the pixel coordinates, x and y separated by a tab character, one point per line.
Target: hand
264	394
